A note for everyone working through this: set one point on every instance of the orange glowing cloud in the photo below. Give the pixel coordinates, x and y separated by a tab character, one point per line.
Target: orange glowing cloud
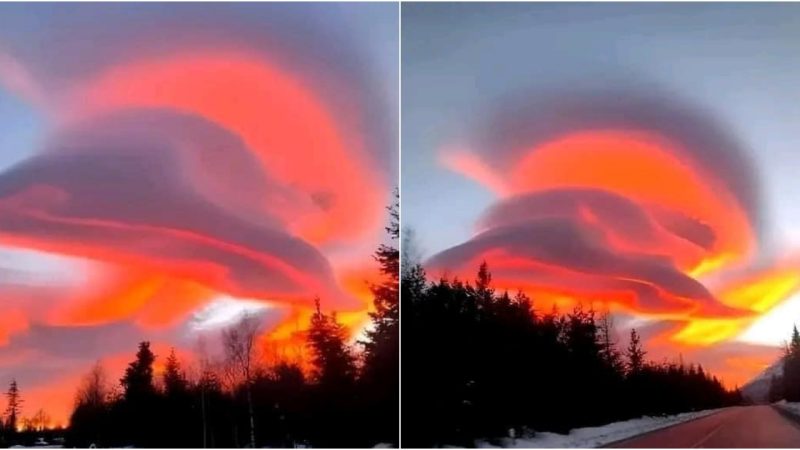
643	168
185	179
293	135
151	300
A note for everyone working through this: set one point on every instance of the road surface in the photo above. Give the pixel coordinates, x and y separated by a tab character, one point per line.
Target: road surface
744	426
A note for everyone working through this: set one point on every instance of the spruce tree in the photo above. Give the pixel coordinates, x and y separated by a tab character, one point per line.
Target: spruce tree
334	373
791	368
382	344
175	383
634	354
380	375
138	407
610	354
483	286
138	379
775	389
331	357
14	407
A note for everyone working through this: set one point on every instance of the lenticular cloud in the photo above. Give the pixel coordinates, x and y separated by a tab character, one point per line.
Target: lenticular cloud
185	174
623	199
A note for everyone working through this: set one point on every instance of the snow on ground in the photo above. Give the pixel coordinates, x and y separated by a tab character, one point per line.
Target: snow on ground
790	407
591	437
37	446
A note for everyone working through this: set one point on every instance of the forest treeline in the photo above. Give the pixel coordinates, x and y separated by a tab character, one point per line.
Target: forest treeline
346	397
478	363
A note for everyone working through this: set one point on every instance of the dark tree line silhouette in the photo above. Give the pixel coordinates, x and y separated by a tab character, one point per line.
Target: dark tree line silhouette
348	398
478	363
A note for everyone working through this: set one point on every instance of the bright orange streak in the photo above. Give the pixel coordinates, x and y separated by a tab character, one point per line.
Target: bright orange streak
710	331
188	269
764	291
174	302
565	287
126	298
758	293
152	301
711	264
290	131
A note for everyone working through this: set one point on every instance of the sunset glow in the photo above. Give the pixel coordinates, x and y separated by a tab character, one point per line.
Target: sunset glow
630	220
183	181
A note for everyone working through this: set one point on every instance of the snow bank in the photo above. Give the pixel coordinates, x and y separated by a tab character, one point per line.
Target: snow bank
790	407
591	437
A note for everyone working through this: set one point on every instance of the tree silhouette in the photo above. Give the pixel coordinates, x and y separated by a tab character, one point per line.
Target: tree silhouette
88	419
140	398
334	374
380	379
634	354
175	383
40	421
791	368
14	407
333	363
482	363
239	342
237	396
138	379
610	354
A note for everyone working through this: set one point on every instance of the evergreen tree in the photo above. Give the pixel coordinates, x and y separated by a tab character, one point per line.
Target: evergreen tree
333	363
139	410
483	285
14	408
478	359
775	389
138	379
175	383
791	368
334	373
382	341
794	343
176	403
610	354
634	354
380	375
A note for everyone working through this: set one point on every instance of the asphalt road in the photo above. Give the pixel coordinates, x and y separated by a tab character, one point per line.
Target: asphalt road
745	426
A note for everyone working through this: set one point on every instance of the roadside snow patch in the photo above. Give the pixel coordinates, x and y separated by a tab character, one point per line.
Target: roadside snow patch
790	407
592	437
